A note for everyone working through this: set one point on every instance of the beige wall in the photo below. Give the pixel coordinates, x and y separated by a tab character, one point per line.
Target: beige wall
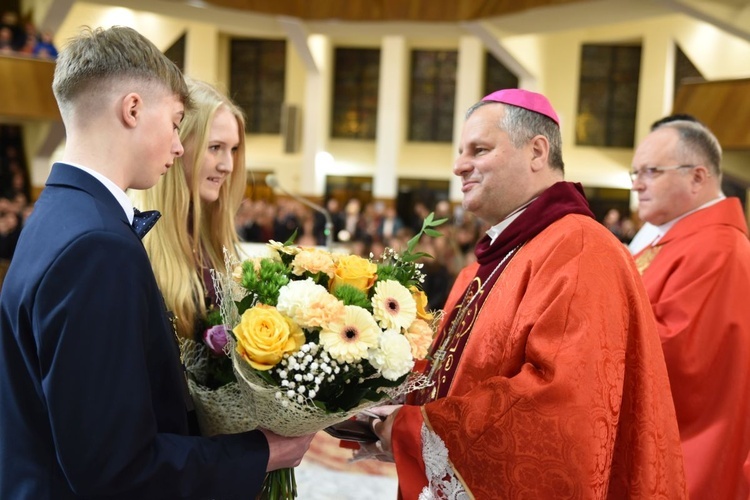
552	59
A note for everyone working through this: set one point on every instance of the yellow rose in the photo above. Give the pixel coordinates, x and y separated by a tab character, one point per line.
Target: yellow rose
355	271
264	335
421	299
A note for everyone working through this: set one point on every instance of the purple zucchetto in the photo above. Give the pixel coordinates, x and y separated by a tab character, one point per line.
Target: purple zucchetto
525	99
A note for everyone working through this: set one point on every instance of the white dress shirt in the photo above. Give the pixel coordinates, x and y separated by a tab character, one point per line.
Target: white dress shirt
113	188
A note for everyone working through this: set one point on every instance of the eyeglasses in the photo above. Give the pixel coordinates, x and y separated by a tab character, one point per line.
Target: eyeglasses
649	173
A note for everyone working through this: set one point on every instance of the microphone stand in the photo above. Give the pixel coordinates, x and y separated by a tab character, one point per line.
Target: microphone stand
272	181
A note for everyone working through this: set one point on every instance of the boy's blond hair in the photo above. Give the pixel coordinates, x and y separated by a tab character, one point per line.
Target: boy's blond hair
99	60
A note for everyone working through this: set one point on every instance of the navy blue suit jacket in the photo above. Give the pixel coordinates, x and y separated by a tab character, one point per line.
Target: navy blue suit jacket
91	388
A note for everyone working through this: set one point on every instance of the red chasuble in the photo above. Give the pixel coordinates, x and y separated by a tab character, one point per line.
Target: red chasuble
698	281
560	389
559	200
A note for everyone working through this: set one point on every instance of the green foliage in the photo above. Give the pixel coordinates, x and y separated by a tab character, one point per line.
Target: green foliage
246	303
213	317
267	376
352	397
264	285
352	296
290	241
321	279
428	227
404	268
354	393
349	392
219	371
395	270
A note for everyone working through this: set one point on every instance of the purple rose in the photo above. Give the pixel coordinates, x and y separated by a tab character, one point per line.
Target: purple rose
216	338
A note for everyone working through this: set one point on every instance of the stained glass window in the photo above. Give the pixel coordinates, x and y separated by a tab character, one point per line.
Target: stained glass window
257	71
432	95
355	93
497	76
608	95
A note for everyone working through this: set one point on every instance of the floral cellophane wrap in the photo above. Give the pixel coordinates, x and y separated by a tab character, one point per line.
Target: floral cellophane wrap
219	411
260	397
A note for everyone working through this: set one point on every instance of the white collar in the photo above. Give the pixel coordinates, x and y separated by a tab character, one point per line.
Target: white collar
113	188
501	226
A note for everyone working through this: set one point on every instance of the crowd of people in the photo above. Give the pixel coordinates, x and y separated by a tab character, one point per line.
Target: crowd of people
368	230
24	38
21	39
15	206
17	38
624	227
564	366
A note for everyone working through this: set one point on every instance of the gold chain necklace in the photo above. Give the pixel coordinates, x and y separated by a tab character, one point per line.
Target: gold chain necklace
439	355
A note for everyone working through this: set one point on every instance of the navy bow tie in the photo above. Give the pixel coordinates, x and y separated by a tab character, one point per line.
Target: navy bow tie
144	221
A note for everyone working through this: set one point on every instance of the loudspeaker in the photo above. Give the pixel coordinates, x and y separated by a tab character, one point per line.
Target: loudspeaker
291	127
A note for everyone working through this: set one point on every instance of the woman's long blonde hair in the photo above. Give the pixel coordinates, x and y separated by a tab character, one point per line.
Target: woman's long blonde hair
192	232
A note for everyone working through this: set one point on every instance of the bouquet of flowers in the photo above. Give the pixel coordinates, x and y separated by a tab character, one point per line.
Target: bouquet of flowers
220	406
317	337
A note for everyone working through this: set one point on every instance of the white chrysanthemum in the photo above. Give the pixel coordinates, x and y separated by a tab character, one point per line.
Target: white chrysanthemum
295	298
393	358
348	340
393	306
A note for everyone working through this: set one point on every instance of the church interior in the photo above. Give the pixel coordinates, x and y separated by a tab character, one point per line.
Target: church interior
364	99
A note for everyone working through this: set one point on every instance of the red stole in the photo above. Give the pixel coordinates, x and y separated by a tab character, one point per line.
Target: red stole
557	201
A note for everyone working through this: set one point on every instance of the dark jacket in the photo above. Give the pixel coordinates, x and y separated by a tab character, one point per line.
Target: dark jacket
92	400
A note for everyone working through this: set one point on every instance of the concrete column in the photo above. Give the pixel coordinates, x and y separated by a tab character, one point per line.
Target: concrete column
469	80
657	72
316	117
201	47
392	114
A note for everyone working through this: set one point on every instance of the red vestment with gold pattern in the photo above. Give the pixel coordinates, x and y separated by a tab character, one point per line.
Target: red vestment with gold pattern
698	280
560	389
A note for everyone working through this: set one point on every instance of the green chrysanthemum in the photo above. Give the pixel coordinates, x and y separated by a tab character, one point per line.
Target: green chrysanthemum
265	283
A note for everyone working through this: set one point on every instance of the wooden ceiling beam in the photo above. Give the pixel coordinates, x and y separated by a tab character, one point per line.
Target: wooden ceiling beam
389	10
723	106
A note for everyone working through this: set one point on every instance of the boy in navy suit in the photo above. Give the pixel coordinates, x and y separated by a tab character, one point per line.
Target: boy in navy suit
92	400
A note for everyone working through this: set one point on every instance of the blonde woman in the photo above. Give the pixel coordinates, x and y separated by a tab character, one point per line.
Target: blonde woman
199	196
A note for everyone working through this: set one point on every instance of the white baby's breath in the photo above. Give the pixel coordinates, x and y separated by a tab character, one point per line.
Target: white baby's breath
339	354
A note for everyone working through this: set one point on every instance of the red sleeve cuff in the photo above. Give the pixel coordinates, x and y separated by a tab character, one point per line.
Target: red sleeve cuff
406	441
